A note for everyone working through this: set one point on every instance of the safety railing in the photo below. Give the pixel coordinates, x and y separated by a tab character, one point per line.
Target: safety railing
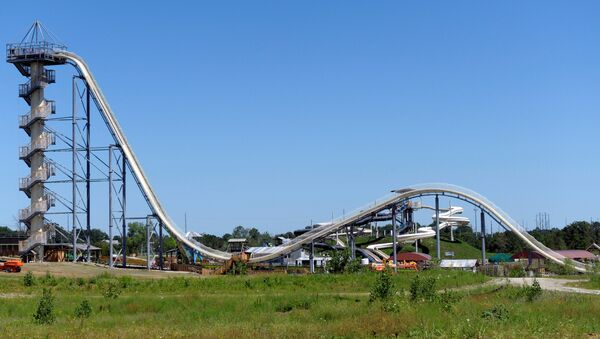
41	112
42	174
40	144
36	238
41	206
44	50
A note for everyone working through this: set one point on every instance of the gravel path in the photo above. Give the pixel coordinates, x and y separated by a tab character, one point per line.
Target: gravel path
551	284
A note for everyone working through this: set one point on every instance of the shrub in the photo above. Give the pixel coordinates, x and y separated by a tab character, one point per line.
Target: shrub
83	310
49	279
516	272
567	269
239	268
28	279
112	291
532	292
383	288
393	305
353	266
44	313
422	289
447	299
498	311
338	261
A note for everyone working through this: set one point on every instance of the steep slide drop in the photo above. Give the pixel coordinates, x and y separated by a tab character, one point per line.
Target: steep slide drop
387	202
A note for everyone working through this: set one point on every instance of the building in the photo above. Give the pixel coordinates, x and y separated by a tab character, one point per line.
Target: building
9	244
413	256
578	255
236	245
299	257
460	264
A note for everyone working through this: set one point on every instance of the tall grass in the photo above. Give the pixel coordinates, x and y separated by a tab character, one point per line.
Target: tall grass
291	306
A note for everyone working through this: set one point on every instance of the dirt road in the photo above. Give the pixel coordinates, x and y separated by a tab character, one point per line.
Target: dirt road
551	284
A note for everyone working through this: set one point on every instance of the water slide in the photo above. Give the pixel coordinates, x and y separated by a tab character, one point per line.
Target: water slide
448	218
396	198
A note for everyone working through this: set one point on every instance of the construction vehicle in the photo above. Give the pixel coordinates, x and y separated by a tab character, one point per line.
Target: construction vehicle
11	265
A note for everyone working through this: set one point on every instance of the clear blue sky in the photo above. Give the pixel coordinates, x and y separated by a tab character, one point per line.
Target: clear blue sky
273	113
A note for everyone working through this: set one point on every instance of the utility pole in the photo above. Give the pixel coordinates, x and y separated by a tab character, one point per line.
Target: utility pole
437	227
395	236
483	258
312	251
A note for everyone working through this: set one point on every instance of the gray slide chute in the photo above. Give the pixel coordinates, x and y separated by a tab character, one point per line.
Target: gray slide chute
398	197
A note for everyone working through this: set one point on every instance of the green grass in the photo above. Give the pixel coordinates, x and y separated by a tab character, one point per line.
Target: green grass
287	306
593	283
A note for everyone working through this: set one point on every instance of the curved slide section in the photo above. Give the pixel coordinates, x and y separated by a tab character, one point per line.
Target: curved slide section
132	161
398	197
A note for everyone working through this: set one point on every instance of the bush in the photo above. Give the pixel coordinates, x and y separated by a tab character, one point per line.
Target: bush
567	269
239	268
83	310
447	299
49	279
44	313
393	305
422	289
353	266
112	291
338	261
516	272
383	288
498	312
532	292
28	280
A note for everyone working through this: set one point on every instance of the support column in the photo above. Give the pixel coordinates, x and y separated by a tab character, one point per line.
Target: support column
124	224
483	258
37	159
74	169
87	177
395	239
148	236
160	245
110	213
312	257
352	243
437	227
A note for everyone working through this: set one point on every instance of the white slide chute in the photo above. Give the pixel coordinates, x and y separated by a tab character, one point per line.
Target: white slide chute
398	197
448	218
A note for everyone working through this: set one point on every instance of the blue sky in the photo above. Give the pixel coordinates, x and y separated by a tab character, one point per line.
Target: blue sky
272	114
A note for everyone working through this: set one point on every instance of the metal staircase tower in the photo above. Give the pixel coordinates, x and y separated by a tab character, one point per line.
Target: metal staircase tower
31	56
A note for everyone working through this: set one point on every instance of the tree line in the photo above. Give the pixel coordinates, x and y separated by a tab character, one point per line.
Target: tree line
577	235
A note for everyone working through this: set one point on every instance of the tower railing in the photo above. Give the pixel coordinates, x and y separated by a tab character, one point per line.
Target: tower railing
48	77
40	144
33	51
40	206
41	112
42	174
34	239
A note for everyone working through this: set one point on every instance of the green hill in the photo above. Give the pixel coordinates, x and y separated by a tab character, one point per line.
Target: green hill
461	249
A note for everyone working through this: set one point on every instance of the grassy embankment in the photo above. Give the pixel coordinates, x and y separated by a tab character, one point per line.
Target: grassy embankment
287	306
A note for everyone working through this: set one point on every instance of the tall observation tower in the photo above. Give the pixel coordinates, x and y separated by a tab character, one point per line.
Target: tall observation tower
31	56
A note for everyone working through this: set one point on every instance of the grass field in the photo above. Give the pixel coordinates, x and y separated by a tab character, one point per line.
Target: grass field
289	306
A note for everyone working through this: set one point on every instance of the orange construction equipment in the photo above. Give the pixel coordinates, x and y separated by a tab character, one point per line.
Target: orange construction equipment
11	265
409	265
